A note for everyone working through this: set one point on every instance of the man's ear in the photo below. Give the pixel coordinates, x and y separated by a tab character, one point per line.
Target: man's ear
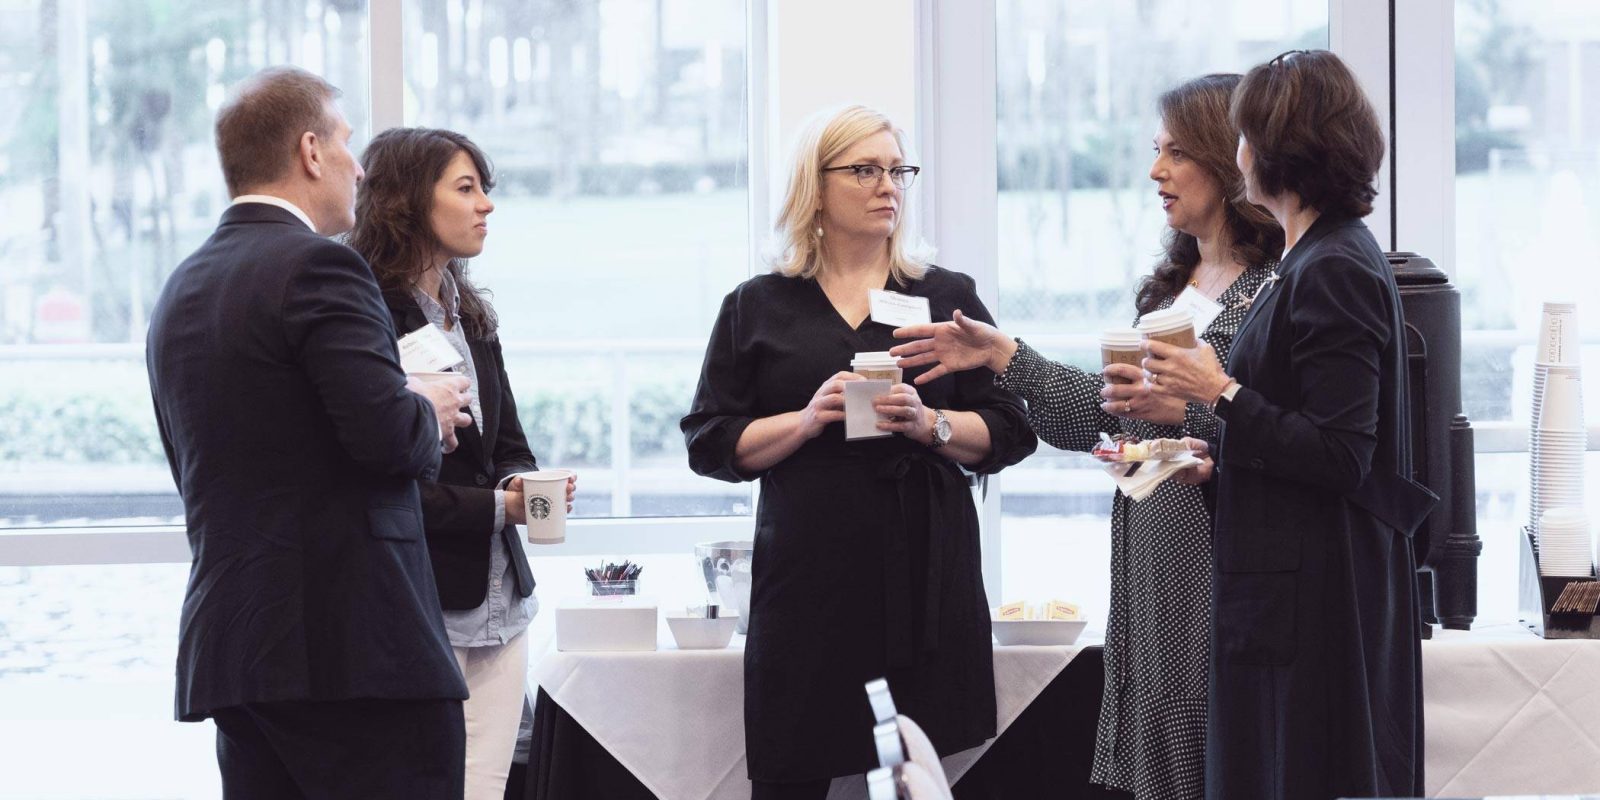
310	154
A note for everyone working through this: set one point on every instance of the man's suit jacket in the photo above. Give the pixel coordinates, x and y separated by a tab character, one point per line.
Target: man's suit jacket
458	505
297	449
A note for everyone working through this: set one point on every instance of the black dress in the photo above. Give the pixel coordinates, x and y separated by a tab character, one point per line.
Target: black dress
1316	681
866	557
1151	735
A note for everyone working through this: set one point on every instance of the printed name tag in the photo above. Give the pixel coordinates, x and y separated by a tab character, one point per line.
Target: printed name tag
899	310
426	350
1204	308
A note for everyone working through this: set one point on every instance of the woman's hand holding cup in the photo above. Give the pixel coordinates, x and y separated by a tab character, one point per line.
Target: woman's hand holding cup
826	406
1191	374
1127	395
902	412
517	512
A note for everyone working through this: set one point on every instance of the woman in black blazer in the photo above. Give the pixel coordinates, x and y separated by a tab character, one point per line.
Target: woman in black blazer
1316	678
422	210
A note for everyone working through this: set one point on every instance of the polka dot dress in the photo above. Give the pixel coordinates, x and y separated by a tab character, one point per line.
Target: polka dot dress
1151	739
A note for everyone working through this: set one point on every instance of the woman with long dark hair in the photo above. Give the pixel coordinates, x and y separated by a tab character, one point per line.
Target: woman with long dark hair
421	212
1151	739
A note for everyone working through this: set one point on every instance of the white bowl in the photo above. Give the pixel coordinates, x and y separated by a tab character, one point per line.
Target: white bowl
698	633
1037	631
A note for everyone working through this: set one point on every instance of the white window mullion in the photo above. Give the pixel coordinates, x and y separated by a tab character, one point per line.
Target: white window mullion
1359	32
387	63
955	67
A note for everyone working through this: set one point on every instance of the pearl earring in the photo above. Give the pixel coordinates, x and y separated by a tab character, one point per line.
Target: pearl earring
819	231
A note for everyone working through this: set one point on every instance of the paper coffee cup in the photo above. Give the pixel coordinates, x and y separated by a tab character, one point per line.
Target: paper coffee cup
544	497
1175	326
1558	334
878	366
1121	346
1562	409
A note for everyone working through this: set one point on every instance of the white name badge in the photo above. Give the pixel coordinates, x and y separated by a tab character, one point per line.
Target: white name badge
1204	308
899	310
426	350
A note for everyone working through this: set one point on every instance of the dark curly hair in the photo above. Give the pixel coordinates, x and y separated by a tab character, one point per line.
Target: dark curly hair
1195	114
393	232
1312	131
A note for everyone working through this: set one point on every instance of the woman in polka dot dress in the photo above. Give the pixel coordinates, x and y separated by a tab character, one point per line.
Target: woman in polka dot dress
1151	740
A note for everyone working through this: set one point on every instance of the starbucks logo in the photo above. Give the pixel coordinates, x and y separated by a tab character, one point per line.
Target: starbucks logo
539	507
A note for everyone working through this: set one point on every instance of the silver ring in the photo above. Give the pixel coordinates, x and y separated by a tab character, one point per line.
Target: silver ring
1127	406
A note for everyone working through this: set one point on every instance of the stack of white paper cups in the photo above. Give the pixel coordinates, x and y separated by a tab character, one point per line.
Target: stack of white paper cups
1564	547
1557	438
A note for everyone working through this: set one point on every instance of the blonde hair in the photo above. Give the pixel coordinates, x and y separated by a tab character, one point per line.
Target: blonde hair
797	249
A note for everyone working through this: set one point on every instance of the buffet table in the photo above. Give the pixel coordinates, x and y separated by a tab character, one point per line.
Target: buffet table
1506	713
673	719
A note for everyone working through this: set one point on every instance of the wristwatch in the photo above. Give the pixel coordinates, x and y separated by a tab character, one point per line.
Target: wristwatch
941	430
1226	396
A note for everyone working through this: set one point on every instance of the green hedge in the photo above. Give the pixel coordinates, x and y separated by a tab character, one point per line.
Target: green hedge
99	427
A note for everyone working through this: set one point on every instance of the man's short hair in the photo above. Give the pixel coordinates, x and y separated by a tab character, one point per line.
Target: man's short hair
259	128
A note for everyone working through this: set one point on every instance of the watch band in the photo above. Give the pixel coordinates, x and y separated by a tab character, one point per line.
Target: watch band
940	422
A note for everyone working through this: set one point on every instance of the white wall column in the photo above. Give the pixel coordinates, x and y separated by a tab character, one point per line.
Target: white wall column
823	53
1424	129
1358	30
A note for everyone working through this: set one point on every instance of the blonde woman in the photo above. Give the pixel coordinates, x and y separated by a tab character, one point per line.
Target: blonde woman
867	560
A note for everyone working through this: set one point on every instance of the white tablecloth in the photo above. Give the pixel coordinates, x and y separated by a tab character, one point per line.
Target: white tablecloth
675	718
1506	713
1509	713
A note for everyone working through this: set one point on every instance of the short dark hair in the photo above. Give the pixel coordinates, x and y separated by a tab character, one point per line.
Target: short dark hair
259	128
394	205
1312	131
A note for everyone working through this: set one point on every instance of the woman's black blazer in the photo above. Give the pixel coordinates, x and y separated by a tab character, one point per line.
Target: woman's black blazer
458	508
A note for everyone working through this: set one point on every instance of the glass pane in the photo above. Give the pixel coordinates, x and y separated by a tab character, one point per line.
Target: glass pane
1080	221
1527	226
109	178
617	129
1526	172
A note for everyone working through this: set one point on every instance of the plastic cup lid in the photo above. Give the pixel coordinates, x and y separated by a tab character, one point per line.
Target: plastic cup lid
1121	337
1166	319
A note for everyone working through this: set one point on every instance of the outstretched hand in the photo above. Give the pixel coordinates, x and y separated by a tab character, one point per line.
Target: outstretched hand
961	344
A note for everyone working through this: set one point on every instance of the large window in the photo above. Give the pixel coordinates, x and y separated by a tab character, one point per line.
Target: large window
109	178
1079	221
1527	228
618	130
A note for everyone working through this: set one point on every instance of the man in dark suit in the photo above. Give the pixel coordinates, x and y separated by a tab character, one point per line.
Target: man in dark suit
311	630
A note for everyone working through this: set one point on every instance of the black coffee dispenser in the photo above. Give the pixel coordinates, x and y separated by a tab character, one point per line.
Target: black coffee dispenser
1447	544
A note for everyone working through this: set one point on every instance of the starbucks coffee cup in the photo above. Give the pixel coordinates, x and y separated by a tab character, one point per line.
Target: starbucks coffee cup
1121	346
1175	326
544	498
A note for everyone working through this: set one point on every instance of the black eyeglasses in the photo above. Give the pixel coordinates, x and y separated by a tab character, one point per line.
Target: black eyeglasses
868	174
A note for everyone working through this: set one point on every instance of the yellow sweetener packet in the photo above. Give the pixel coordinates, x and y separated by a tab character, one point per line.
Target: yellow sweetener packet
1060	610
1009	611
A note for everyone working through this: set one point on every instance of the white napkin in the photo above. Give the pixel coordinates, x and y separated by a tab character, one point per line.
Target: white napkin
1147	475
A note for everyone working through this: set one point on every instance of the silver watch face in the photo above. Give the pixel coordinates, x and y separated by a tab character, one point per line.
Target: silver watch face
941	429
